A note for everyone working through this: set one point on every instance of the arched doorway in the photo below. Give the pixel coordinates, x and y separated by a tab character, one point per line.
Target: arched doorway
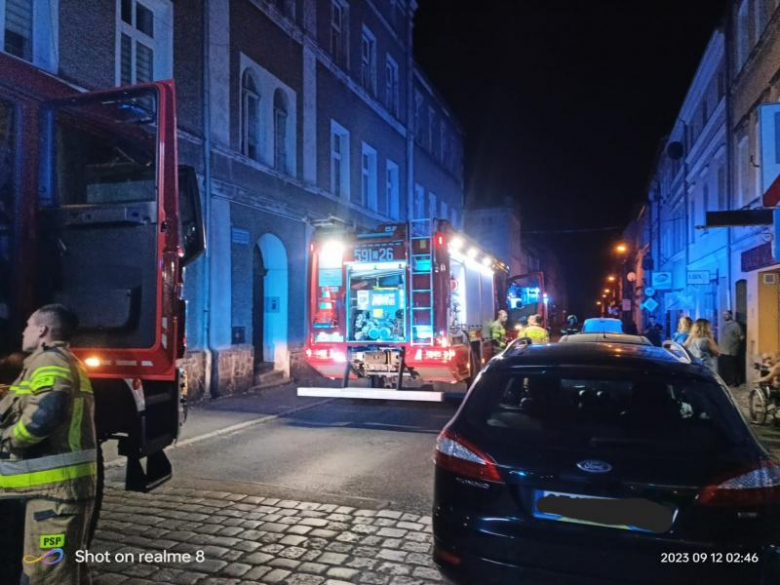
269	319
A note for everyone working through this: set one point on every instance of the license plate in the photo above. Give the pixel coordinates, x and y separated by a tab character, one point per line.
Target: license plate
637	514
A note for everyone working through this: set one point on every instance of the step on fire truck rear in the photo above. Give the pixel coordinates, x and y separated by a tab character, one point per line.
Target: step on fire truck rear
410	301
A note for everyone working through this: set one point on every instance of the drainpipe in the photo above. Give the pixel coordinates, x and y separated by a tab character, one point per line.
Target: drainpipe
728	66
410	113
206	330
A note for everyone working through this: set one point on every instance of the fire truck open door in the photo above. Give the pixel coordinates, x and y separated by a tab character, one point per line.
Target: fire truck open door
525	296
109	233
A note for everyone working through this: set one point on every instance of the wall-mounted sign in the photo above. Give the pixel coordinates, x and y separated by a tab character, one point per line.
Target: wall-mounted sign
757	257
662	280
699	277
650	305
649	291
626	304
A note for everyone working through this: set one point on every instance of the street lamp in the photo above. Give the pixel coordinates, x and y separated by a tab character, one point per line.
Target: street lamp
606	290
611	278
621	248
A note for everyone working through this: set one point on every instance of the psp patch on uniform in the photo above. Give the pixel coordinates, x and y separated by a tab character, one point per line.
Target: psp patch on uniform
52	540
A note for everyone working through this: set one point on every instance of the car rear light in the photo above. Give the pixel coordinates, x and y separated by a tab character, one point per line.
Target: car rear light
445	556
754	487
457	455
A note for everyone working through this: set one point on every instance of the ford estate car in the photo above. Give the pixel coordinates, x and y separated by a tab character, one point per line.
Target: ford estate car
590	463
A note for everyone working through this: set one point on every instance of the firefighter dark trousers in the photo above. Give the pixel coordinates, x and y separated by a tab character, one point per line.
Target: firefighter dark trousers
53	533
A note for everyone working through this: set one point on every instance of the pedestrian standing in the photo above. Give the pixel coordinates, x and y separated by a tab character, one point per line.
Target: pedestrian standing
683	330
654	331
702	344
48	449
731	338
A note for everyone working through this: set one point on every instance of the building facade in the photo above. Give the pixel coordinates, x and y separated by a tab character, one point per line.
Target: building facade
711	161
293	113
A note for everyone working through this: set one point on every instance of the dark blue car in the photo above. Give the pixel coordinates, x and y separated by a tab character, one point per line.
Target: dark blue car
603	463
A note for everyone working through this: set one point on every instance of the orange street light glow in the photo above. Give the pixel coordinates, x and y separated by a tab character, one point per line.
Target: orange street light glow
611	278
621	248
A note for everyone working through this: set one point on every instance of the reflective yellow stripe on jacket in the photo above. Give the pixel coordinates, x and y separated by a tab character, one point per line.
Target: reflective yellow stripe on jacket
46	470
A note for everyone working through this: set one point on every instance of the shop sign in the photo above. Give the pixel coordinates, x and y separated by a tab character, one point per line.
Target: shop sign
650	305
662	280
757	257
699	277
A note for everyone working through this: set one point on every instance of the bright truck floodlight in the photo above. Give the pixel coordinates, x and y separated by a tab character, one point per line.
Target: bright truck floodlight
332	253
456	243
472	253
487	261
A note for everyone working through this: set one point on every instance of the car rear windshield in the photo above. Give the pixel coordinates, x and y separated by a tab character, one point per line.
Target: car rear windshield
576	408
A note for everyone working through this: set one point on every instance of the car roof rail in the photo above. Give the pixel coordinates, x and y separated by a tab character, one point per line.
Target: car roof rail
679	351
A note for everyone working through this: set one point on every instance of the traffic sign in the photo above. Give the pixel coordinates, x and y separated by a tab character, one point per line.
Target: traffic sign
650	305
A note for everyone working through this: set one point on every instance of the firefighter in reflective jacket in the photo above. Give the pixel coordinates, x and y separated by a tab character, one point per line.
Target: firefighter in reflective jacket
497	330
48	450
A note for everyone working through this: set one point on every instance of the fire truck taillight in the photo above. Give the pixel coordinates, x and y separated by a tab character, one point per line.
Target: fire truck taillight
327	354
92	362
443	355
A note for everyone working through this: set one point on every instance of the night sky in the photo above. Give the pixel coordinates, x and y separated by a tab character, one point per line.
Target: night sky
564	105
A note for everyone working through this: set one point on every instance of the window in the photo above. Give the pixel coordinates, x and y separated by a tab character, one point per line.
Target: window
445	210
18	29
759	18
144	41
250	116
419	202
692	221
454	217
743	171
445	145
431	129
419	130
432	205
391	85
368	184
743	34
722	193
392	192
569	407
368	61
339	160
705	198
281	132
286	7
339	32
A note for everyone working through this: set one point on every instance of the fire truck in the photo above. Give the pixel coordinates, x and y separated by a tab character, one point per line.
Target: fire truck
408	301
96	214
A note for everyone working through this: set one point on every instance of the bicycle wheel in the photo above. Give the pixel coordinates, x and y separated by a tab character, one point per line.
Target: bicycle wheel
758	407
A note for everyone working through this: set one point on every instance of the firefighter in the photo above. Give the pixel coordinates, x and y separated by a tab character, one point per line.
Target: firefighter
48	450
497	330
535	332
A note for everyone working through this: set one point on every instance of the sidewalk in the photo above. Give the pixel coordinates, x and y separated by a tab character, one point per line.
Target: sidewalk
768	434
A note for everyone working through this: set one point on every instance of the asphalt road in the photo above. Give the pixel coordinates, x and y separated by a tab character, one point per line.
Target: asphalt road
322	450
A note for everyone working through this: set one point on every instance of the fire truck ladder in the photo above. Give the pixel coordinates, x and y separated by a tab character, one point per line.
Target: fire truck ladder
421	302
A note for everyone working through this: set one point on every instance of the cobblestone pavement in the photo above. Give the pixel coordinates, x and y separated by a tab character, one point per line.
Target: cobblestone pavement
768	434
242	539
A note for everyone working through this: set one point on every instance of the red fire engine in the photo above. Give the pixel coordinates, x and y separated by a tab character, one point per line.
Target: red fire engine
96	214
408	301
